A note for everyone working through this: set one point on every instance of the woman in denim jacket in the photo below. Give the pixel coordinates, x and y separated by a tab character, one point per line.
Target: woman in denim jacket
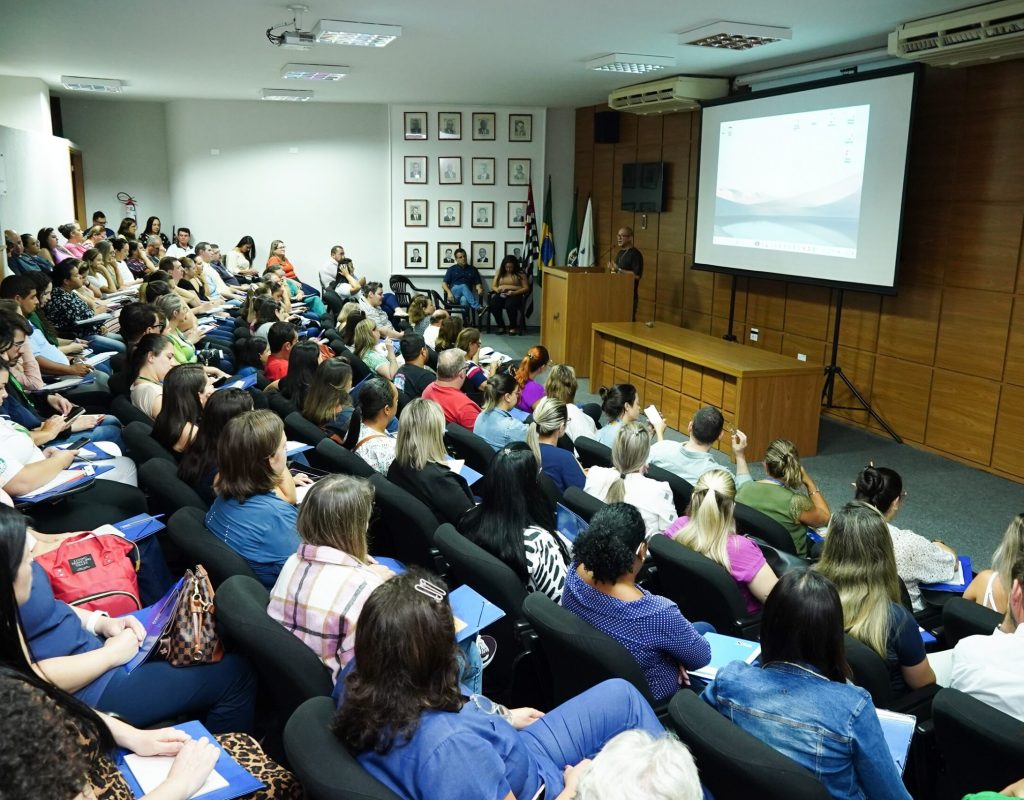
798	700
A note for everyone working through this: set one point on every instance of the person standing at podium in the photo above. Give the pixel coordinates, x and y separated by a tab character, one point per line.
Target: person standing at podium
628	259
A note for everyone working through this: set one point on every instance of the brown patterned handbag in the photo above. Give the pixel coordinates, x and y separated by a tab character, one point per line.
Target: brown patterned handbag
190	637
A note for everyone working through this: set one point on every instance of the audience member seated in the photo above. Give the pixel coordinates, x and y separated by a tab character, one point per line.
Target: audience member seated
351	314
322	587
917	559
621	404
692	458
515	522
447	392
420	310
186	389
277	257
495	424
83	652
858	558
49	241
431	331
268	312
989	667
561	385
281	338
799	699
152	358
367	336
138	319
251	355
303	360
626	480
135	262
254	513
462	284
421	463
448	333
66	309
636	765
710	529
370	302
369	435
198	464
76	244
414	376
508	291
530	368
779	494
329	401
184	334
338	275
240	257
601	589
546	428
469	340
989	586
405	714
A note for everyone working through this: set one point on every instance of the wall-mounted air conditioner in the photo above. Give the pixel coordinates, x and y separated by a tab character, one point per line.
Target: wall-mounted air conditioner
664	96
974	35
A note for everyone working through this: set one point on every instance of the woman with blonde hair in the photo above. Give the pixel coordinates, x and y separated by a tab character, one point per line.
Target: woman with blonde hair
323	585
991	587
780	496
421	462
545	429
710	529
626	480
277	258
561	385
98	279
858	558
530	368
364	342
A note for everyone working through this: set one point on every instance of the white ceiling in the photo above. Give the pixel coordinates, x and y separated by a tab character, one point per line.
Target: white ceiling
494	52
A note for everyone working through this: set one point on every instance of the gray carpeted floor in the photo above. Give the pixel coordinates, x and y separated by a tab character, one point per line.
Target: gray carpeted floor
965	507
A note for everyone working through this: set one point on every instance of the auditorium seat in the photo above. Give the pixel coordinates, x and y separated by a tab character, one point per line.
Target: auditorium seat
681	489
403	527
141	446
465	444
751	522
593	453
332	457
870	673
158	477
187	531
122	408
298	428
962	618
581	503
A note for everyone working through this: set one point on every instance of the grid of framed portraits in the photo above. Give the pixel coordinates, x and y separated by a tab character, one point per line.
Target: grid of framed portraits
484	126
416	213
481	254
416	255
483	214
449	213
446	253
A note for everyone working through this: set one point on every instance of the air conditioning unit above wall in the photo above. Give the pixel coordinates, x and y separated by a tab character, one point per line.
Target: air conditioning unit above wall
974	35
664	96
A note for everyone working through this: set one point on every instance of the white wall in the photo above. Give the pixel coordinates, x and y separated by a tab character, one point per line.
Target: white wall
25	104
124	149
35	181
313	175
560	156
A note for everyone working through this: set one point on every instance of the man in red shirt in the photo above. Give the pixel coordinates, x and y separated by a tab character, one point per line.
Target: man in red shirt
447	392
281	338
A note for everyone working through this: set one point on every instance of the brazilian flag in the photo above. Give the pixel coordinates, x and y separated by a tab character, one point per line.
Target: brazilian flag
547	235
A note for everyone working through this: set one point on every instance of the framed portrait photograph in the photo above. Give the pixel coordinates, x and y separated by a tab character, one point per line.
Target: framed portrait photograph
483	214
514	249
483	126
516	213
415	124
483	171
449	125
481	255
416	213
416	255
446	254
449	169
415	169
449	213
518	171
520	127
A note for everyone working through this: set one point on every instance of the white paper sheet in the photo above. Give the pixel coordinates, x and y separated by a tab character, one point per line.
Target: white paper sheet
64	476
151	771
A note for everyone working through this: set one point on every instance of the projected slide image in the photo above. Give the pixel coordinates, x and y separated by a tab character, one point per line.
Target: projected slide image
792	182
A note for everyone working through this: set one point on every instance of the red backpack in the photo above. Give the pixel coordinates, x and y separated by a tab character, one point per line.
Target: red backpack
96	573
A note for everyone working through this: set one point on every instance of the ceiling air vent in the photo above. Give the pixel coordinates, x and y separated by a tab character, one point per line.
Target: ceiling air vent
681	93
974	35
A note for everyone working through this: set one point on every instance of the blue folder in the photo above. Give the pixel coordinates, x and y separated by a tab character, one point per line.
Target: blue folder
898	730
475	610
467	472
725	650
240	780
154	619
89	473
295	450
519	414
958	588
392	564
245	382
140	527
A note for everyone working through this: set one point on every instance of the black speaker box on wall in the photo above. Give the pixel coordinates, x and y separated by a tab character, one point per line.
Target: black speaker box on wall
606	127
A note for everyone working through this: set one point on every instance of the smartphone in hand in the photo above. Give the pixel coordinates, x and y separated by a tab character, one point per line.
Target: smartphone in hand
653	415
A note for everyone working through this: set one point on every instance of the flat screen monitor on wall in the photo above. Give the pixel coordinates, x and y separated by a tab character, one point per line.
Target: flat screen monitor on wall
807	183
643	186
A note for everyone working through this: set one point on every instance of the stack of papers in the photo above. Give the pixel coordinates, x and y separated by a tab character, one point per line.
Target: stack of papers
961	578
98	358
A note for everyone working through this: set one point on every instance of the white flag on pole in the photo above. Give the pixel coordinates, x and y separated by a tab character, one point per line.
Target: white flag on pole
585	257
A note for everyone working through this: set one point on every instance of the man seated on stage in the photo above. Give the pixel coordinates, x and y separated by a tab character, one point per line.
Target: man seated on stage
447	392
462	283
628	259
693	458
989	667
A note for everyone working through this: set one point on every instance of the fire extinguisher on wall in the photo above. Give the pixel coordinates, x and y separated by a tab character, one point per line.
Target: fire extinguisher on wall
127	205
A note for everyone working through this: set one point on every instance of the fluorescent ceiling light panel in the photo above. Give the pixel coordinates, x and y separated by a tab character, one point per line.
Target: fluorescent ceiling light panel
629	62
313	72
358	34
91	84
733	35
287	95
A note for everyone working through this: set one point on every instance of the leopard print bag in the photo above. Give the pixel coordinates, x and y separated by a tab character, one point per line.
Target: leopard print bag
190	636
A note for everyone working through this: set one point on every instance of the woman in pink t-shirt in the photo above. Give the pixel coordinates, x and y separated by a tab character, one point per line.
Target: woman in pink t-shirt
711	530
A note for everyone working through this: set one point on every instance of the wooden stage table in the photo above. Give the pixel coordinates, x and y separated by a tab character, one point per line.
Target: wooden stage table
765	395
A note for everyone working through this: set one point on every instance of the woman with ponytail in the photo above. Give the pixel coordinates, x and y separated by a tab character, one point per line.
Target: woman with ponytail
533	364
621	404
495	424
626	480
780	496
369	431
548	426
710	529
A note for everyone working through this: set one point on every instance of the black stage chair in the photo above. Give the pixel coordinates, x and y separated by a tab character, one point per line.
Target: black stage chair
187	531
593	453
581	503
465	444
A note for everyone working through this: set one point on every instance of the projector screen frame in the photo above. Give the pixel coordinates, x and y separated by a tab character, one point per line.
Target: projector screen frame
915	71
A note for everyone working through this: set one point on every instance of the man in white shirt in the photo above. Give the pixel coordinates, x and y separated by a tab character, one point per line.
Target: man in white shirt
216	288
693	458
340	269
180	246
991	668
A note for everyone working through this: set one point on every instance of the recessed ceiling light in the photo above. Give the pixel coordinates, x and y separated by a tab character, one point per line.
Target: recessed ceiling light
287	95
91	84
629	62
733	35
358	34
313	72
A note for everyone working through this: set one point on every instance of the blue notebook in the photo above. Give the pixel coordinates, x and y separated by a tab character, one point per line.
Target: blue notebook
898	730
240	781
245	382
87	471
294	448
473	612
140	526
154	619
354	391
569	523
392	564
960	581
467	472
519	414
725	650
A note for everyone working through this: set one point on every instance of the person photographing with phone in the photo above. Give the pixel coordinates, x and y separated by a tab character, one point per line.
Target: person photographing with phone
693	458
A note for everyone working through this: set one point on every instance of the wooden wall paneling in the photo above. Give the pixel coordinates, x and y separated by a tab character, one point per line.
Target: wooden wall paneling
807	310
585	127
623	352
922	247
1008	446
621	376
859	367
1020	270
720	327
672	314
638	361
973	332
767	338
728	395
993	87
696	321
648	288
698	290
649	131
687	408
815	349
672	225
1013	371
652	394
983	245
942	89
670	409
722	293
692	378
655	366
603	196
900	393
962	416
711	388
989	164
909	324
672	374
670	279
860	320
766	303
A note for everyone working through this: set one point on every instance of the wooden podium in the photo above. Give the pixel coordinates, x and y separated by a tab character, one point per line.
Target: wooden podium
573	299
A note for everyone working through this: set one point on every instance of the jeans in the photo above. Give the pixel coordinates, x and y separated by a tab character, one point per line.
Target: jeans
465	296
105	344
222	694
109	430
